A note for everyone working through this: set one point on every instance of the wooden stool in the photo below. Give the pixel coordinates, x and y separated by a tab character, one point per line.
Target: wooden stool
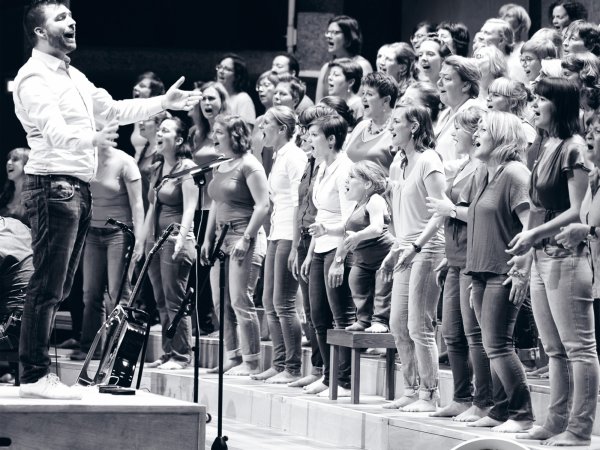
12	358
357	340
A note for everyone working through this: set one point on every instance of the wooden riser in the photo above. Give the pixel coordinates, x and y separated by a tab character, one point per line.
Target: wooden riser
101	421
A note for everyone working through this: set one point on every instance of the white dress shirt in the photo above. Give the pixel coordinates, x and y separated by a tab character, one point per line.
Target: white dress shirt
329	197
288	167
59	108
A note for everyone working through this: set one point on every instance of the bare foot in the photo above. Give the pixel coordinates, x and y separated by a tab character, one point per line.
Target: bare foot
376	351
283	378
270	372
244	369
452	410
342	392
316	387
566	439
513	426
421	406
485	422
305	381
356	326
378	328
472	414
227	364
537	433
403	401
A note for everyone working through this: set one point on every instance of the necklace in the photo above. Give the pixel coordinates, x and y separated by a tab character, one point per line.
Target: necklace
378	130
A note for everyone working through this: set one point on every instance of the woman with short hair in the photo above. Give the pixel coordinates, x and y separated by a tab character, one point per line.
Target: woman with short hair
562	12
344	80
400	61
456	36
492	65
497	213
240	199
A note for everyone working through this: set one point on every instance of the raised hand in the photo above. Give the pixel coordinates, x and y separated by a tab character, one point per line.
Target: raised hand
178	99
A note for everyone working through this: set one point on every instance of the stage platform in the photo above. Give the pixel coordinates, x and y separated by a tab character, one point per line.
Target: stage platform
100	421
336	424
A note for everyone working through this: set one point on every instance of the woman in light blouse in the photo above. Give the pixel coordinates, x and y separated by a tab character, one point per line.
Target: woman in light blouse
329	304
280	286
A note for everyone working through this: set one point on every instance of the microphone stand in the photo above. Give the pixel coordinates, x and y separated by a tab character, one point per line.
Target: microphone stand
220	442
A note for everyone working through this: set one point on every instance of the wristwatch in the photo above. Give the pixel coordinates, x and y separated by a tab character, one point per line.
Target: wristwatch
417	248
592	234
453	212
339	259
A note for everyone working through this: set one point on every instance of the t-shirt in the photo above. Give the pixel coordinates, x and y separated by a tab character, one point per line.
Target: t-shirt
493	221
229	189
242	105
167	197
363	146
202	157
408	202
461	189
109	189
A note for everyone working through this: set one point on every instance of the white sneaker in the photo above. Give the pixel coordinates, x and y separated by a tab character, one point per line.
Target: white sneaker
49	387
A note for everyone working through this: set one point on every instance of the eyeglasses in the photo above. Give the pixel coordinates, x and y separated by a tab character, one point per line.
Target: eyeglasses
224	69
264	86
526	59
331	33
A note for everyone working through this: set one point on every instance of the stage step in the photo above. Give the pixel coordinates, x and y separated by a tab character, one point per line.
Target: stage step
334	423
101	421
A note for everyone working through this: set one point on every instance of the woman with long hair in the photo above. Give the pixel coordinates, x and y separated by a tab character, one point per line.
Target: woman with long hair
416	173
423	93
10	198
148	85
344	40
561	278
240	198
280	286
232	73
172	200
456	37
497	213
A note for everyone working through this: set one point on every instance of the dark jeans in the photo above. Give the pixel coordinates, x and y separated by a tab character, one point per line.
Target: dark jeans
330	308
497	317
462	334
372	296
315	358
204	311
59	210
279	300
103	265
13	287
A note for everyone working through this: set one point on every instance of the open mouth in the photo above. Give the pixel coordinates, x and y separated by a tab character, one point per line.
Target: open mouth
425	66
70	35
590	147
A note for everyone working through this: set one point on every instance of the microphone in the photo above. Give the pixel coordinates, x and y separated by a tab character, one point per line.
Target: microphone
198	170
185	308
118	223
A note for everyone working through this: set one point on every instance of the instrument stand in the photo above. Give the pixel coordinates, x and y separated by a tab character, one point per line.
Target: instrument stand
200	182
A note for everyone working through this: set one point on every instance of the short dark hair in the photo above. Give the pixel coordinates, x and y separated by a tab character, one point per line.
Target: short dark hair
384	85
351	70
297	87
588	33
575	10
460	36
341	107
240	71
429	27
238	131
564	96
34	17
335	126
157	87
293	63
351	31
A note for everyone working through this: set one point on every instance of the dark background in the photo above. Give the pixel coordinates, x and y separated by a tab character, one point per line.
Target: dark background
119	39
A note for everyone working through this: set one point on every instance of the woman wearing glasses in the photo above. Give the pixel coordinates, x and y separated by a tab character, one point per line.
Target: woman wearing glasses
344	40
233	74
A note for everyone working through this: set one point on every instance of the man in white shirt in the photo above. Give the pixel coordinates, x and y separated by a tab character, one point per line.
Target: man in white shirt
60	110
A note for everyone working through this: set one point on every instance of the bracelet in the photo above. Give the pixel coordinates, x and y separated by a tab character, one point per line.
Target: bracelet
518	274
